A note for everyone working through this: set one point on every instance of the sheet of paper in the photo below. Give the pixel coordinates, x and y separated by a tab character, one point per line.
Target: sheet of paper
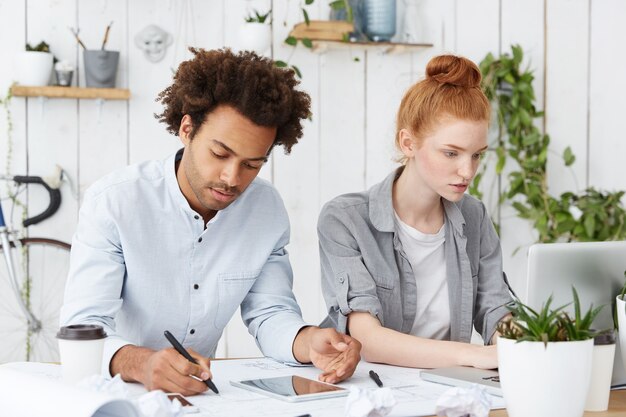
34	389
415	397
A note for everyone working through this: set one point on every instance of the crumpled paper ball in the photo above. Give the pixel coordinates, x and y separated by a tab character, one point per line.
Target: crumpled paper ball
156	404
460	402
369	402
151	404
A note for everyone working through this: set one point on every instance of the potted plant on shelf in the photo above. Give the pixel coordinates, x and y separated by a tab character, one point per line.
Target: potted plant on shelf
545	359
256	33
34	65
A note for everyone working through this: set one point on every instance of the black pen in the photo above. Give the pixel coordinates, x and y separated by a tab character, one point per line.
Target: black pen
180	349
376	379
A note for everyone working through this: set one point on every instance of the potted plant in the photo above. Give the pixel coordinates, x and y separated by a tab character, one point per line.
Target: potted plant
619	319
34	65
545	359
256	33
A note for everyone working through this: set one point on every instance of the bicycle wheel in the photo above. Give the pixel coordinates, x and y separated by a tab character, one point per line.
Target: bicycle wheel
46	263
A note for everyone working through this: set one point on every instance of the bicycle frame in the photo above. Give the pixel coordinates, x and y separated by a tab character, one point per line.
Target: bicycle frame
33	323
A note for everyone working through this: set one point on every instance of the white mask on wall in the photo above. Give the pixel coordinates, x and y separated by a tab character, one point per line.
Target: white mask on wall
154	42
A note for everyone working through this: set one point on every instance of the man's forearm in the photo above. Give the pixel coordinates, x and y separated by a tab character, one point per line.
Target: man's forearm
129	362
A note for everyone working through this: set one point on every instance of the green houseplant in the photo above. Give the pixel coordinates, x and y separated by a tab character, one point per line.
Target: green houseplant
554	344
590	215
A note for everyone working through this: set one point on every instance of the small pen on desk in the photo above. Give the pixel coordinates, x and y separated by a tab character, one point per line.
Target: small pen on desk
376	378
180	349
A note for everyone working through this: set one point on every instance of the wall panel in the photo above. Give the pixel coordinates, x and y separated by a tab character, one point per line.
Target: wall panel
348	145
606	143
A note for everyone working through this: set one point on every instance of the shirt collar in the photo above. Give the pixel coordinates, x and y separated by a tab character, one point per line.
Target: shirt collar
381	206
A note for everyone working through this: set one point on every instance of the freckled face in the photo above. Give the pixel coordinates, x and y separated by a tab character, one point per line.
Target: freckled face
448	157
222	159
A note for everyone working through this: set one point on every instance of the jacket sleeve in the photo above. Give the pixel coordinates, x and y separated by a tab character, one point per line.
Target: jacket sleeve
492	294
347	285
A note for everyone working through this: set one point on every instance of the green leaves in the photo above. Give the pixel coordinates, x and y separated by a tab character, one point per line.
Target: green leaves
568	157
258	17
524	149
337	5
547	324
290	40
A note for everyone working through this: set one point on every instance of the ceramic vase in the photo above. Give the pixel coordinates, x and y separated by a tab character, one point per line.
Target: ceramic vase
255	37
33	68
545	380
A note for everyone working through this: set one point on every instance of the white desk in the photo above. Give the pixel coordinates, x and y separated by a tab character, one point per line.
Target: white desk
414	396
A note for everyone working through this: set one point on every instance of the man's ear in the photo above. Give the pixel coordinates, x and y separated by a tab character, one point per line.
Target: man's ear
406	142
185	129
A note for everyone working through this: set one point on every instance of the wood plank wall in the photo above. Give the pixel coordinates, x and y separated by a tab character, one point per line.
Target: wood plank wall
572	45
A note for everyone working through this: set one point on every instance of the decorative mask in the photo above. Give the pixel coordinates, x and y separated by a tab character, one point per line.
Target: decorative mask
154	42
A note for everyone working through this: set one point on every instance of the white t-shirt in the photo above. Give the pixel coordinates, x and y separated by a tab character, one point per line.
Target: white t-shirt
425	253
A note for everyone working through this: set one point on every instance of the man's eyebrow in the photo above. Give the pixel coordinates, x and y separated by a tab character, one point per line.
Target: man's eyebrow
458	148
227	149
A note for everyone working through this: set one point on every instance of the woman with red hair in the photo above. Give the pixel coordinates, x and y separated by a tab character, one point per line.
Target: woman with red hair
412	265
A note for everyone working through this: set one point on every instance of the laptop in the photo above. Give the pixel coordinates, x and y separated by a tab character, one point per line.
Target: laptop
595	269
463	376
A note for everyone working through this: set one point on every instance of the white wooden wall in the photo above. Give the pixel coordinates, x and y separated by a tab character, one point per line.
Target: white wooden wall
572	45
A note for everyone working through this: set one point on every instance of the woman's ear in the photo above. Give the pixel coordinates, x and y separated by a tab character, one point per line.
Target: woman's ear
406	142
185	129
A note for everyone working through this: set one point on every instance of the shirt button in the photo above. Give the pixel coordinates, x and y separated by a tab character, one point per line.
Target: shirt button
196	286
341	279
196	217
192	331
199	239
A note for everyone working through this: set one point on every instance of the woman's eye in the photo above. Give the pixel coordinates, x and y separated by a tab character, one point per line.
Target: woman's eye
218	156
478	156
450	154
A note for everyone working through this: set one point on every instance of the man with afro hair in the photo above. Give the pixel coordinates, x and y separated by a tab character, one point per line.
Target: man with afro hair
180	244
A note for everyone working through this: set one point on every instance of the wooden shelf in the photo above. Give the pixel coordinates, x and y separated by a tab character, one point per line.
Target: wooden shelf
71	92
321	46
329	34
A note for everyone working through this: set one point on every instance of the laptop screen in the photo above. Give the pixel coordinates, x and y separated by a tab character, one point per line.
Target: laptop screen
595	269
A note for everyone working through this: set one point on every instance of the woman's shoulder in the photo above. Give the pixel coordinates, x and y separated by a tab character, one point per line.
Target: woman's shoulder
346	205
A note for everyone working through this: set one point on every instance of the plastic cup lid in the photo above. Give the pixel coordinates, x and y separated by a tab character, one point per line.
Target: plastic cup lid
81	332
607	338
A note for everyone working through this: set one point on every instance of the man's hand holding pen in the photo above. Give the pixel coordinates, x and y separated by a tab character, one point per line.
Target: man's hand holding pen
169	371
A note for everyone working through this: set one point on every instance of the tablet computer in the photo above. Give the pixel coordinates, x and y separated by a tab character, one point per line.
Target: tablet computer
291	388
463	376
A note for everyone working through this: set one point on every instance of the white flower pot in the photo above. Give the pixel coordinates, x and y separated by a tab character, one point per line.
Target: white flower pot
33	68
542	381
620	305
255	37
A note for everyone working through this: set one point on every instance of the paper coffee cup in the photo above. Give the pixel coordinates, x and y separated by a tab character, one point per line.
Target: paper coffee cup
80	346
602	369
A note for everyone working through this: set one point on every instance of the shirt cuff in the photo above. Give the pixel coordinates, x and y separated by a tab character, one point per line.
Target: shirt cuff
111	345
276	336
492	318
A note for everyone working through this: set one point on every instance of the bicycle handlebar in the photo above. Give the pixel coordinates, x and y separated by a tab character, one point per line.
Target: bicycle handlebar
54	194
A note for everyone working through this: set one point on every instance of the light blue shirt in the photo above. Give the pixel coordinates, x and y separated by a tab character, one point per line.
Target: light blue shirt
142	263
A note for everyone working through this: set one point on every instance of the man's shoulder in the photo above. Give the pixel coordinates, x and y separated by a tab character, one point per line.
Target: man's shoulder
123	180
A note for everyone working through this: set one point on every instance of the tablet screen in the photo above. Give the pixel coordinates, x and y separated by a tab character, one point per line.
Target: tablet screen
291	386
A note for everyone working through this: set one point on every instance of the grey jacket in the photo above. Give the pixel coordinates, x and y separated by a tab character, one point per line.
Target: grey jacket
365	269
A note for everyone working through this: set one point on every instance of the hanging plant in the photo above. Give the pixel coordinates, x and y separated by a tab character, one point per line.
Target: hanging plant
591	215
